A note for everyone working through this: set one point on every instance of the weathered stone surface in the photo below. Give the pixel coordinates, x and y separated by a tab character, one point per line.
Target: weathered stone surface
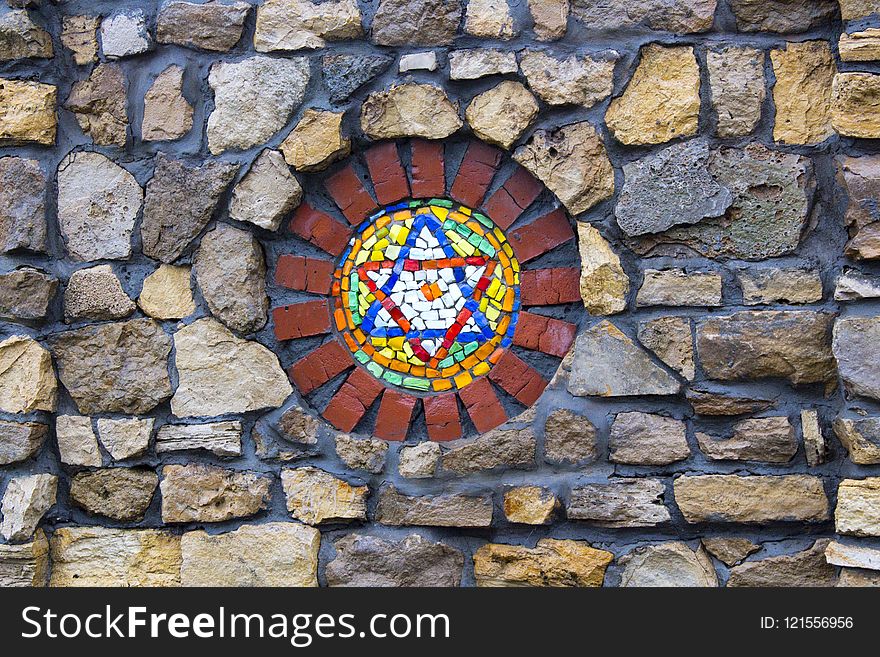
167	293
27	380
344	74
855	339
220	373
125	438
445	510
855	105
550	563
26	293
550	18
20	37
854	577
502	114
731	550
575	80
362	453
708	402
489	19
678	287
475	63
806	568
852	556
213	26
859	177
264	89
420	22
291	436
419	461
802	93
531	505
861	438
751	499
858	507
502	447
79	34
669	15
647	439
315	497
768	439
853	285
747	345
363	560
861	46
606	363
409	110
231	273
671	339
619	503
672	187
782	15
298	24
852	9
569	438
121	367
77	443
167	114
95	293
604	284
220	438
180	201
99	104
22	205
668	564
572	162
97	556
27	112
26	564
661	101
316	141
205	493
25	502
125	34
267	193
122	494
782	285
815	447
271	554
736	78
20	440
418	61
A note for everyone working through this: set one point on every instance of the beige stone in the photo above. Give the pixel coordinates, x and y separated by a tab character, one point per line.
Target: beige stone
79	34
678	287
736	78
620	503
490	19
550	17
167	114
815	446
122	494
267	193
167	293
861	438
851	555
205	493
551	563
298	24
315	496
661	101
671	339
95	293
730	550
444	510
530	505
25	502
125	438
855	105
76	441
27	112
98	556
362	453
862	46
409	110
852	9
475	63
271	554
802	93
19	441
27	380
604	284
858	507
316	141
26	564
782	285
419	461
855	577
575	80
668	564
99	103
805	568
220	438
502	114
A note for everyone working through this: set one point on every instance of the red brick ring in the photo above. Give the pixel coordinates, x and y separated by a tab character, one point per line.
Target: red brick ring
517	207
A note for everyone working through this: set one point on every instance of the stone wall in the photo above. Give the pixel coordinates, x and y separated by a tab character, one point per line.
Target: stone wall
691	399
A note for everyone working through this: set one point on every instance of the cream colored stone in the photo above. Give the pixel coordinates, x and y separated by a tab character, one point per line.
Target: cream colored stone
25	502
315	496
316	141
849	555
167	293
668	564
604	284
679	287
409	110
862	46
206	493
802	93
530	505
551	18
267	193
575	80
736	78
26	564
551	563
855	105
76	441
167	114
419	461
298	24
27	380
474	63
125	438
27	112
490	19
858	507
502	114
853	9
79	34
814	440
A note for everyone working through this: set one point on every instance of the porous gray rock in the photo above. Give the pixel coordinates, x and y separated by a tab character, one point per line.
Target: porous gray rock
569	438
267	193
420	22
801	569
443	510
503	447
668	564
22	205
26	294
619	503
20	440
205	493
855	342
647	439
344	74
95	293
854	285
25	502
122	494
767	439
215	26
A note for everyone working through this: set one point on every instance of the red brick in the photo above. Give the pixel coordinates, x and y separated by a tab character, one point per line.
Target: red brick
441	416
550	287
307	274
352	400
395	414
349	193
300	320
513	197
545	334
519	379
427	169
479	166
542	235
482	404
389	178
320	229
329	360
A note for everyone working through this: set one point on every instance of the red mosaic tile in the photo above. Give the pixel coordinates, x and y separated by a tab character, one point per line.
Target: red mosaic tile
483	406
512	198
542	235
544	334
395	413
348	192
329	360
300	320
427	169
352	400
479	166
441	416
389	178
518	379
301	273
549	287
320	229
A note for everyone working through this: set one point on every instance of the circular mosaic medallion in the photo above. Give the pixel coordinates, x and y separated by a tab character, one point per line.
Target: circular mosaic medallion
427	295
